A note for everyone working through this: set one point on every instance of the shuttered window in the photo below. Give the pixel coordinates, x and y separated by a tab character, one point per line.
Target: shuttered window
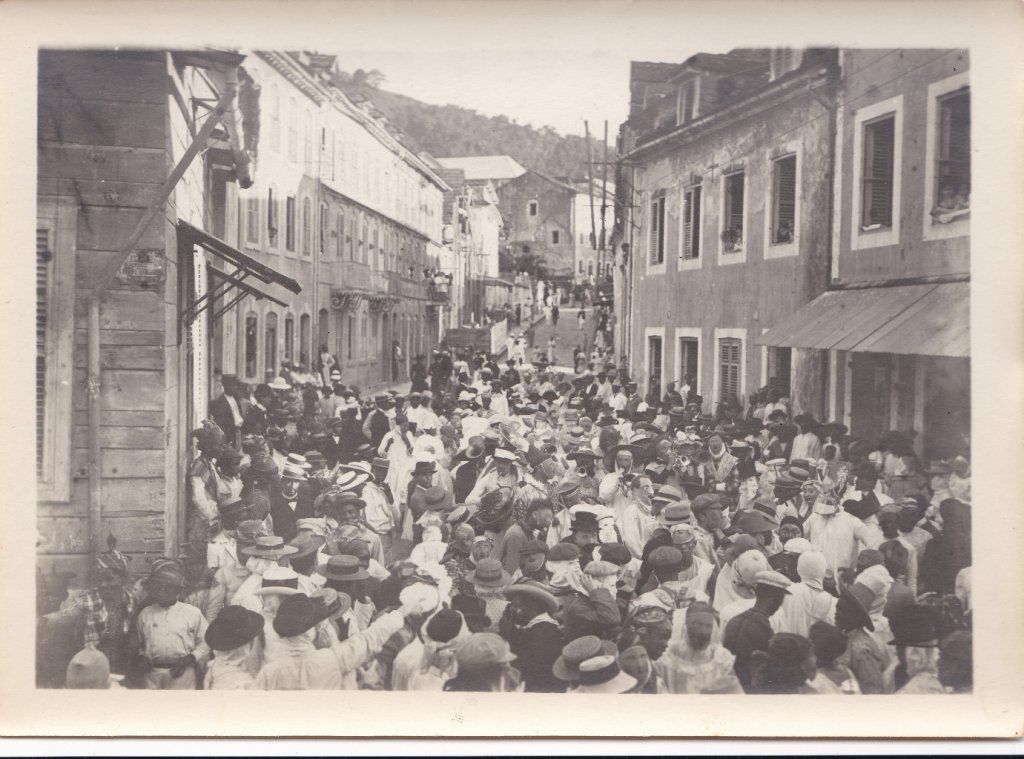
340	232
250	345
688	102
289	338
323	230
252	220
729	354
658	230
732	212
56	231
954	158
289	223
307	226
44	281
654	364
691	223
783	200
780	361
877	181
273	219
270	344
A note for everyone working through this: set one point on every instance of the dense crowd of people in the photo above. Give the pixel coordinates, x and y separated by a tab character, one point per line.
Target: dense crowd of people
512	528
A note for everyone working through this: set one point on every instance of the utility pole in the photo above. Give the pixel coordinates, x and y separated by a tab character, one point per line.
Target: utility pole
590	185
604	202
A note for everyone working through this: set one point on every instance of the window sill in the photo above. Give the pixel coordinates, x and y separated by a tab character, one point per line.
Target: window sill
654	269
732	257
688	264
781	250
864	239
958	227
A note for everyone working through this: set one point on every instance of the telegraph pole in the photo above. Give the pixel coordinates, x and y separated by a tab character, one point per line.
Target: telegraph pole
604	202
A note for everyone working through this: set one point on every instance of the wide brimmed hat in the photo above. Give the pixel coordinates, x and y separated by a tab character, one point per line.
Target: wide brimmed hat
343	568
298	460
297	614
602	674
862	598
425	467
307	542
279	383
627	447
706	501
676	513
270	547
280	581
356	466
435	496
575	652
489	573
350	479
482	650
535	592
753	521
475	447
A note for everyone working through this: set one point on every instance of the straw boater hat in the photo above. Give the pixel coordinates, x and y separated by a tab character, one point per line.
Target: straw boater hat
351	479
602	674
278	581
270	547
534	591
279	383
298	460
575	652
355	466
343	568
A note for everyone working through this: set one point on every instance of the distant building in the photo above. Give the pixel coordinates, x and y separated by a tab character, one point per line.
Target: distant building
540	222
592	257
496	168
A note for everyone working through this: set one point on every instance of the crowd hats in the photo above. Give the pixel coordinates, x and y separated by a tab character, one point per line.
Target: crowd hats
270	547
914	625
676	513
583	520
434	497
489	573
602	674
575	652
424	465
862	599
748	565
667	494
292	472
90	669
753	522
231	511
600	568
706	501
534	547
234	626
350	479
307	542
535	592
169	574
772	579
297	614
342	568
358	466
475	447
616	553
482	650
280	581
665	557
563	552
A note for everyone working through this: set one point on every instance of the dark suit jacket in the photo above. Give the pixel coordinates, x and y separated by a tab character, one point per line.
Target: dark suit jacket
220	412
284	518
379	427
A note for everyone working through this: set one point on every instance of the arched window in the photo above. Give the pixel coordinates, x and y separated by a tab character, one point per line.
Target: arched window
304	336
273	217
251	324
307	226
270	345
289	339
323	229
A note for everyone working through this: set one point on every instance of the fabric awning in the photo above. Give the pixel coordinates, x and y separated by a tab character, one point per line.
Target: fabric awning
926	320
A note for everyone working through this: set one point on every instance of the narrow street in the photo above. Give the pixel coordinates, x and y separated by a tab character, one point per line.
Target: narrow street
285	440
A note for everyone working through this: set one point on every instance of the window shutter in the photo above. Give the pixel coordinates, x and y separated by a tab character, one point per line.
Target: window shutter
691	224
878	173
43	284
729	370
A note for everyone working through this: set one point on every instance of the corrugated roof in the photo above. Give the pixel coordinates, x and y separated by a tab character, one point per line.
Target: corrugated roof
484	166
925	320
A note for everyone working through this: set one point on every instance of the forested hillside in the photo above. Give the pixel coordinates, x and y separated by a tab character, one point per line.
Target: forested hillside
449	130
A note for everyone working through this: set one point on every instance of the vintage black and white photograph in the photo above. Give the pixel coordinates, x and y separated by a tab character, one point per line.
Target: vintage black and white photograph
644	371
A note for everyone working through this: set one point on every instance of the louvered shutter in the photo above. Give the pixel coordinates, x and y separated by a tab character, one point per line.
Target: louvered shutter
691	223
878	172
44	258
736	201
785	200
729	368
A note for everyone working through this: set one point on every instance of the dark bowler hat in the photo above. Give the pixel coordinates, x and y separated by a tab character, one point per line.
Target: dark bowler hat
233	627
297	614
914	625
343	568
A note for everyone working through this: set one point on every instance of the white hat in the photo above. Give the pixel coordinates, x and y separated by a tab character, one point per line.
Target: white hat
279	384
797	545
601	674
350	479
503	454
300	461
281	580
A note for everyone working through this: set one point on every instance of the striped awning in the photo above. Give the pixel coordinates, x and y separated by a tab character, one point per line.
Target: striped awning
926	320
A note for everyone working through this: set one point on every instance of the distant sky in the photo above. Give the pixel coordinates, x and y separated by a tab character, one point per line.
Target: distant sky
538	87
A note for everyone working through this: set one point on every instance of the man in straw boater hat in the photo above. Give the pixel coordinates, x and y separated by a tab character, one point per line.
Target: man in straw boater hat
265	552
331	668
171	634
